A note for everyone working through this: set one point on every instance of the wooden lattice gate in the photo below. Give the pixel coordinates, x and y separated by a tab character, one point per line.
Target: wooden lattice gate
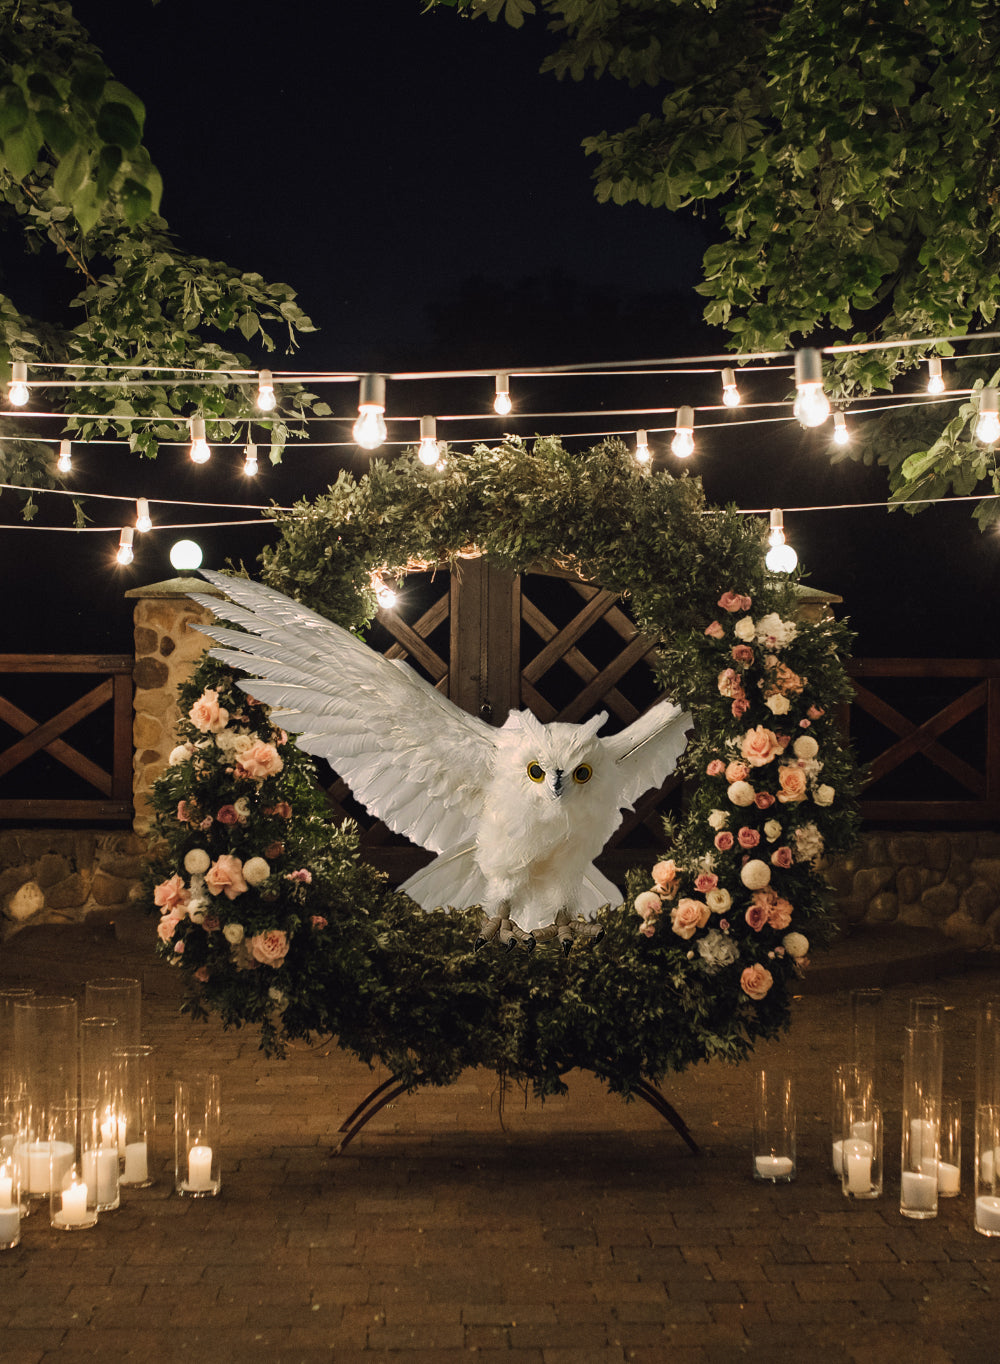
546	642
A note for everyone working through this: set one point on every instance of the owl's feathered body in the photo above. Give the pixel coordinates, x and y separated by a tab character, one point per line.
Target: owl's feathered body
516	814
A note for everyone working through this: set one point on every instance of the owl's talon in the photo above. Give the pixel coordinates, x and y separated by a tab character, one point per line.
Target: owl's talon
567	946
529	943
479	944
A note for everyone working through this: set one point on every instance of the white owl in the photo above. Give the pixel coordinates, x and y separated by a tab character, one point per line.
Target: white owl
516	814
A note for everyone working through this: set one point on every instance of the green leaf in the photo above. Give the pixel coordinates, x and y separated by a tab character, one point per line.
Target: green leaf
108	162
249	325
70	174
117	123
136	201
59	132
21	148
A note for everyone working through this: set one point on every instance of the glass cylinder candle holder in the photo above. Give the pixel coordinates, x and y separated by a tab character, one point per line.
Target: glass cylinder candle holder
10	1202
774	1127
866	1027
45	1073
9	996
12	1140
861	1166
851	1083
988	1052
74	1139
926	1011
99	1072
950	1149
116	997
197	1129
923	1058
986	1218
137	1114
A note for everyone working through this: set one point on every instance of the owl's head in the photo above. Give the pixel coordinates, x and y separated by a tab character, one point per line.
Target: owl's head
556	761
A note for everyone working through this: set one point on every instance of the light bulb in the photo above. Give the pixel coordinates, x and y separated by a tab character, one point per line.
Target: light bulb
841	435
250	465
185	555
501	402
266	400
369	429
730	393
18	391
935	379
124	555
200	451
781	559
65	461
988	425
682	444
387	598
429	452
812	406
641	447
143	520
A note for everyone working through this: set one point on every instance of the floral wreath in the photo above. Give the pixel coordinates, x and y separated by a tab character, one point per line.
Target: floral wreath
267	909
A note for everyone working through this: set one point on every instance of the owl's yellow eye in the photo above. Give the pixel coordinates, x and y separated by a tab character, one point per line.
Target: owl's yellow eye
536	772
583	773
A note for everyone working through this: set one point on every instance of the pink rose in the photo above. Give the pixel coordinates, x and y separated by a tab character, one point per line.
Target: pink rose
705	881
228	815
269	948
665	876
742	653
815	712
805	724
303	875
732	601
687	916
763	800
206	823
317	921
724	840
648	929
207	715
729	683
648	905
715	768
793	783
748	838
225	877
179	947
168	895
756	980
756	916
759	746
737	771
167	927
782	857
184	812
202	974
260	760
714	631
740	707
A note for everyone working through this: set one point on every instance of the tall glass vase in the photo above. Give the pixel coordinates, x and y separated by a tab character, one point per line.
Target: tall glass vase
923	1063
45	1071
116	997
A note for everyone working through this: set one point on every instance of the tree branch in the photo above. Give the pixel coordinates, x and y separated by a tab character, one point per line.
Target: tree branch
57	231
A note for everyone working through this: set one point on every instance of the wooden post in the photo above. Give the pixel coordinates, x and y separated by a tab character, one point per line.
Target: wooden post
485	669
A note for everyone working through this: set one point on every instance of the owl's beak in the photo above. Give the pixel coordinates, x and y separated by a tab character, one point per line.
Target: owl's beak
557	784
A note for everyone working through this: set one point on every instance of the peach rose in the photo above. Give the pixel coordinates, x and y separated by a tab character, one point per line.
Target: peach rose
706	881
260	760
207	715
748	838
167	927
225	877
715	768
779	915
740	707
169	895
723	840
665	876
782	857
742	653
756	980
793	783
714	631
759	746
729	683
269	948
763	800
687	916
731	601
737	771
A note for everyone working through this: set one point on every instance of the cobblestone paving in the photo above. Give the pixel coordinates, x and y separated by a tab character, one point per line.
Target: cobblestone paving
578	1231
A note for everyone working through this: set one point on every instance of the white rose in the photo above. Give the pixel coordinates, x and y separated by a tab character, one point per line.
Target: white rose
755	874
197	861
772	831
741	793
242	807
179	755
233	933
823	795
778	704
718	900
805	746
796	944
718	819
256	871
744	629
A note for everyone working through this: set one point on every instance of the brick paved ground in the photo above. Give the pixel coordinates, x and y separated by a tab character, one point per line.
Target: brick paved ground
580	1231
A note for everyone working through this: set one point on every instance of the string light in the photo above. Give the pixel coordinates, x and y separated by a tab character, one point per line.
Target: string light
780	558
501	400
369	429
200	451
18	391
250	465
641	447
125	555
682	444
841	435
429	451
266	400
65	461
988	425
385	595
935	379
143	520
812	406
185	555
730	393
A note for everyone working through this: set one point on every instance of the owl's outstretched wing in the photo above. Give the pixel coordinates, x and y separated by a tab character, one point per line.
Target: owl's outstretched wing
411	756
647	751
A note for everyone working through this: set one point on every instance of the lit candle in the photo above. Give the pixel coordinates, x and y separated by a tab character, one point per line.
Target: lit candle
988	1214
6	1190
74	1205
200	1167
100	1168
918	1192
43	1164
949	1179
858	1164
838	1158
774	1167
136	1163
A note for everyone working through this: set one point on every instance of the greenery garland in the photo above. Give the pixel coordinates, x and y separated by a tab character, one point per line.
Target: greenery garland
705	959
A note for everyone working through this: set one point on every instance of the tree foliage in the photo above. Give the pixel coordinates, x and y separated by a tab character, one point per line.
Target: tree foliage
847	156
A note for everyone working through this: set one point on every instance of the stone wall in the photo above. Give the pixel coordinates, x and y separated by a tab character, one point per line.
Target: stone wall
64	875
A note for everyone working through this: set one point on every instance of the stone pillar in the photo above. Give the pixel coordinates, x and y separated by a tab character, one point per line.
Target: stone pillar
166	653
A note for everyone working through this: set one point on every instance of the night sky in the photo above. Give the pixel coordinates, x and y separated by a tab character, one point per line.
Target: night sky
423	189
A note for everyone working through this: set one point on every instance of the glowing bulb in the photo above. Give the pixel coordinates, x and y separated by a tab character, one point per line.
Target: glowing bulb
65	461
730	393
266	400
812	406
781	559
18	391
185	555
841	435
143	520
369	429
250	465
501	402
641	447
935	379
429	452
988	425
124	555
682	444
200	451
387	598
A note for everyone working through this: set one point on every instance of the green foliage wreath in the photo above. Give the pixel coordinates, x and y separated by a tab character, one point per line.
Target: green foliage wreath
276	923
